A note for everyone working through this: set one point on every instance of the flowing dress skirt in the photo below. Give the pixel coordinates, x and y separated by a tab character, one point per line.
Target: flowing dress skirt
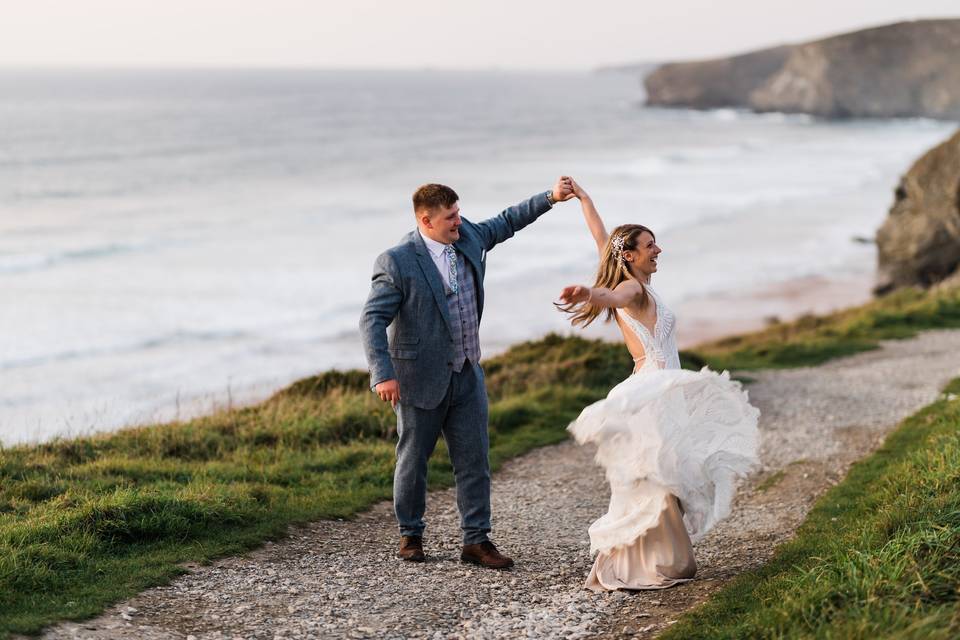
674	445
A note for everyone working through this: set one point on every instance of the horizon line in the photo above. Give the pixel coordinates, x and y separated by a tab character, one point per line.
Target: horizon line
623	65
323	68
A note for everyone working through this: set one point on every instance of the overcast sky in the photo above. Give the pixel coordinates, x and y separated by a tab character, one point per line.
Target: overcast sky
521	34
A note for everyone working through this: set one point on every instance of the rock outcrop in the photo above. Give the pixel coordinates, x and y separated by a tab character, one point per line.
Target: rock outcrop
919	243
908	69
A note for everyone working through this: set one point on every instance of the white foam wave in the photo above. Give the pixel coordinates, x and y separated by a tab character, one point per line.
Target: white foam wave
176	338
707	154
21	262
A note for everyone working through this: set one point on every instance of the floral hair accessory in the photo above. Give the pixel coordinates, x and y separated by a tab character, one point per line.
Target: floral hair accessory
617	245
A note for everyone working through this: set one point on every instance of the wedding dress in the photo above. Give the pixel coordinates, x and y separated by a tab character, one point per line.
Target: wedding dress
674	444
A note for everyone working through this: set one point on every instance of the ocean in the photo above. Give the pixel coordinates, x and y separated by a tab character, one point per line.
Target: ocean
171	241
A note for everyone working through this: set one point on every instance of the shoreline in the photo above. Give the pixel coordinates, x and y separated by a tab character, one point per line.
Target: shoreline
702	319
709	318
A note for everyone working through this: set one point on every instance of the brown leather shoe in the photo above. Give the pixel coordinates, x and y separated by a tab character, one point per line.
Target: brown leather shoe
485	555
411	549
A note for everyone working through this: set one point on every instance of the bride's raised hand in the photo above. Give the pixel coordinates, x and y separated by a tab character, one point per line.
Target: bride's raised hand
574	294
578	191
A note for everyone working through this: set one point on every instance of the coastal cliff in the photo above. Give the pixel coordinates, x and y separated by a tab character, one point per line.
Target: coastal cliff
908	69
919	243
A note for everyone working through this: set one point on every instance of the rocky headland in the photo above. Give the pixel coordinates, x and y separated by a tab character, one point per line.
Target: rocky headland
919	243
907	69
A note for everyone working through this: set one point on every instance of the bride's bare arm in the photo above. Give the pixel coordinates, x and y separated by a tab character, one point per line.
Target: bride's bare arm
591	216
626	294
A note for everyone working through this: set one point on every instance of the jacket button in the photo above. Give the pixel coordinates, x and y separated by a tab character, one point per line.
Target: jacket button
449	364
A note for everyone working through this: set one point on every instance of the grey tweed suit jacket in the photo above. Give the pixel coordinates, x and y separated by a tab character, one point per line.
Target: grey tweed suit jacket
407	295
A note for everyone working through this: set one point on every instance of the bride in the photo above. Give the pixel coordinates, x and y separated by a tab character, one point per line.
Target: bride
674	443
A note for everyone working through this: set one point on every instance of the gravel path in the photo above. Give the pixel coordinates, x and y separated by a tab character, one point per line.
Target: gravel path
340	579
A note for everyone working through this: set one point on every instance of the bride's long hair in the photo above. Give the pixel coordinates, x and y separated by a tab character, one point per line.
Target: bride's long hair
612	271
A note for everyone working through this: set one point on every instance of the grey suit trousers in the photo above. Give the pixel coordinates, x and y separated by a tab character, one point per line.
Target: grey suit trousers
461	418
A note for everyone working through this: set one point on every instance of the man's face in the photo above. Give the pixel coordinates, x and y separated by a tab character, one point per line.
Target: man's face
442	223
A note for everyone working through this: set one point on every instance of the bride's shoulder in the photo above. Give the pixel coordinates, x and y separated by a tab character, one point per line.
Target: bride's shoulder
629	286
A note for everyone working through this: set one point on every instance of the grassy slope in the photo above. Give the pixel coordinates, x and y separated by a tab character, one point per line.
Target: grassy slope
812	340
879	554
877	557
89	521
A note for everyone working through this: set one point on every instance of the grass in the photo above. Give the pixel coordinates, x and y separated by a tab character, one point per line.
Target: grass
878	556
772	480
812	340
89	521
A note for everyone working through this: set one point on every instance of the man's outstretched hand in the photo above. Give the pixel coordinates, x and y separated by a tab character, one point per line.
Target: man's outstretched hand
563	190
389	391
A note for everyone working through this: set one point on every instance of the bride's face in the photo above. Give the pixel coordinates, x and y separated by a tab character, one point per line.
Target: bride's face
643	258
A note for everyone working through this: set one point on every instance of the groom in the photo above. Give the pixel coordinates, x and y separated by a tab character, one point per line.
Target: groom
429	291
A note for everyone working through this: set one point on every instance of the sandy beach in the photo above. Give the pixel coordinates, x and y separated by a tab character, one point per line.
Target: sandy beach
708	318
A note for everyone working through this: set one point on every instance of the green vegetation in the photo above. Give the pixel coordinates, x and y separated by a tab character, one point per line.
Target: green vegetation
812	340
878	556
772	480
89	521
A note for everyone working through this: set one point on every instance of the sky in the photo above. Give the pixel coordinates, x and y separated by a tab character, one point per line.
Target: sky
508	34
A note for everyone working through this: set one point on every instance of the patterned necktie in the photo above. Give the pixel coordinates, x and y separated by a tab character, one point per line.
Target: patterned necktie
452	267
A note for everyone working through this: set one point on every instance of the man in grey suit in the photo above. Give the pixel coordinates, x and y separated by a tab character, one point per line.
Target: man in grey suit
428	292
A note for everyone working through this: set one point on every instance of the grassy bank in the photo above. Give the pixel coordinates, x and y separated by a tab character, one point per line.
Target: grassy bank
878	556
812	340
90	521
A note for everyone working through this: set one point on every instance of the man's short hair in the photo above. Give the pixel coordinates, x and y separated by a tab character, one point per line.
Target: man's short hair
433	196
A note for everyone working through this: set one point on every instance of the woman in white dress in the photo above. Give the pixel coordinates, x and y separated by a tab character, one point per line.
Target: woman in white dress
674	443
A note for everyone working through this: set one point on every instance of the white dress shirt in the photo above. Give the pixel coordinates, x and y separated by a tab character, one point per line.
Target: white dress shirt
437	251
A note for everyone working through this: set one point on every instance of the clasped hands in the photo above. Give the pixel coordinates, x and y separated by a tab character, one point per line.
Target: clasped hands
564	189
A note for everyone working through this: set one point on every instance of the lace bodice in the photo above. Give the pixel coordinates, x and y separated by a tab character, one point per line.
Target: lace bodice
660	347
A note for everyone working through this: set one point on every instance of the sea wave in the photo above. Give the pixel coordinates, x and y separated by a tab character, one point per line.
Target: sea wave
118	155
42	193
177	338
730	114
708	154
734	115
12	263
661	163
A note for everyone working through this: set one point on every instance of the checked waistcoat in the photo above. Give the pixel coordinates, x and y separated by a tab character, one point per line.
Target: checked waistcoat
463	316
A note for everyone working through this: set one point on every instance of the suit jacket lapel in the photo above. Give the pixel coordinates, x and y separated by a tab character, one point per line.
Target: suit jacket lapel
433	278
471	259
